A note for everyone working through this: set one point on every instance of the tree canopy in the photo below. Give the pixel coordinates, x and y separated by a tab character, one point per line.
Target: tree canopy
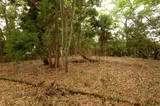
60	28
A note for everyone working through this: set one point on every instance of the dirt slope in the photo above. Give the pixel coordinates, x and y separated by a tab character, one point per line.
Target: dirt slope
131	79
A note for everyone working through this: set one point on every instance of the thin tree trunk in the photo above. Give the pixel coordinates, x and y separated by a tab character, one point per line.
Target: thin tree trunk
57	45
62	27
70	37
50	59
65	51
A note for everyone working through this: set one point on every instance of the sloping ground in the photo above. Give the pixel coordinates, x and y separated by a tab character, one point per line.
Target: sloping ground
131	79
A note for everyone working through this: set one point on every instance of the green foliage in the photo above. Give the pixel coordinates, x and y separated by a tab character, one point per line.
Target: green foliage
2	47
91	12
46	11
88	44
116	47
1	43
21	45
105	21
41	28
143	47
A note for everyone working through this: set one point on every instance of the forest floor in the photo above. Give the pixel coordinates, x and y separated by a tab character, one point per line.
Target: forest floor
120	78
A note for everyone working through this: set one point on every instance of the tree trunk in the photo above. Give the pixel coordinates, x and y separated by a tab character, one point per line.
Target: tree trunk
50	59
57	45
70	36
62	28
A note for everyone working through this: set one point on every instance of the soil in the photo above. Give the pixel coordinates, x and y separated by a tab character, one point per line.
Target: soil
125	78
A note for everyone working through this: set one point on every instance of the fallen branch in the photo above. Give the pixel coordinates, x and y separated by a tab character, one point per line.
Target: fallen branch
79	61
65	91
86	58
69	91
21	81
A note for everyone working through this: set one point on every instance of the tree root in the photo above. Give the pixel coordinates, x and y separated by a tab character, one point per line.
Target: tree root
70	91
21	81
66	91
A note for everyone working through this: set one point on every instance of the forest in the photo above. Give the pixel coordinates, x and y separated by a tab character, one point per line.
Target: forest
79	52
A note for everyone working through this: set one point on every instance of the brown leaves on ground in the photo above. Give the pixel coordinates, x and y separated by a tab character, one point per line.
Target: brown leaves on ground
124	78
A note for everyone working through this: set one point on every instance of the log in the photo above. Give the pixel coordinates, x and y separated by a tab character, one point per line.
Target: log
87	58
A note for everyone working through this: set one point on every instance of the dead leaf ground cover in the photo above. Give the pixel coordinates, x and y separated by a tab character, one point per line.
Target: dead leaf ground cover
125	78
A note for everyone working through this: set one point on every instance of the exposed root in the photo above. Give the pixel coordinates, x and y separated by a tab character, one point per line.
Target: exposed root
70	91
21	81
53	89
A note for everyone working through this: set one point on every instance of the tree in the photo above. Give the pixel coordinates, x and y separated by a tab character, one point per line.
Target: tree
137	16
104	24
21	45
1	43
